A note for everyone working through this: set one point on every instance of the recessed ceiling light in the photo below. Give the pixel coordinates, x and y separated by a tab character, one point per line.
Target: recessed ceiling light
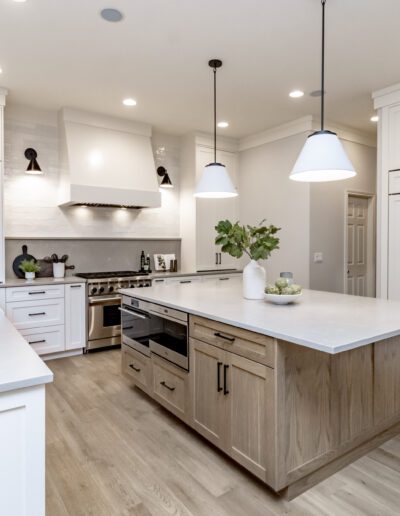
374	118
19	1
129	102
110	15
223	124
296	94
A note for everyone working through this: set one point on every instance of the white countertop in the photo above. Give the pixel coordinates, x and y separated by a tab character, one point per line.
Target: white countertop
320	320
22	282
20	366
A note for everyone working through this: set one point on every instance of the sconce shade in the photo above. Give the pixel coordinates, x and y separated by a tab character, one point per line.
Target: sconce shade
33	166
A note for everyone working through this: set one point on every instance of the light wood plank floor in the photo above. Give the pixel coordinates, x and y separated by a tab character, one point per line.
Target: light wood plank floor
113	451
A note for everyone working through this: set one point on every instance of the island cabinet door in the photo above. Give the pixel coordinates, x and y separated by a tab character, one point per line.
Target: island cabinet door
208	400
250	396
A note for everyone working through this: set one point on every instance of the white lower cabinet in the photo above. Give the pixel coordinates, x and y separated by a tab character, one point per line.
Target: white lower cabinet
45	340
52	318
22	452
75	316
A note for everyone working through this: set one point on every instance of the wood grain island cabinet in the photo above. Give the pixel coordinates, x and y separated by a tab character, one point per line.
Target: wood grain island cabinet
290	414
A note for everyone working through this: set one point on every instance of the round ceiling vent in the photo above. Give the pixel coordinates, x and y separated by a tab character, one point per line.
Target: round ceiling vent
111	15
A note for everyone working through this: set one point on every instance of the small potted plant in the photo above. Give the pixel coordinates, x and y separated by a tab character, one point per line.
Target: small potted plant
257	242
30	268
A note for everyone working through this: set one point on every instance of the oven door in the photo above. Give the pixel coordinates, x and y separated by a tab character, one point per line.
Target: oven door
104	317
169	339
136	328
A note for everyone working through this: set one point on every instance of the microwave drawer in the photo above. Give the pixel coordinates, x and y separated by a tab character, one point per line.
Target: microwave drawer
168	312
34	314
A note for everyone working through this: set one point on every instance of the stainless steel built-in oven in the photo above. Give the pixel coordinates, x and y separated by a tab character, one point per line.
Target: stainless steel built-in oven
148	327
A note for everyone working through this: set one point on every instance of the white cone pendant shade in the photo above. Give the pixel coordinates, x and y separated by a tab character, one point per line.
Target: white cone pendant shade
322	158
215	183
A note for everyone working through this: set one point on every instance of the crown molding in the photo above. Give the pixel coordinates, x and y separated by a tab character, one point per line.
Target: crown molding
387	96
223	143
305	125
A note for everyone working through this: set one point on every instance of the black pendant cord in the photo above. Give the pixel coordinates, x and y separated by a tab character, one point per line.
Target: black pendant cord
323	67
215	115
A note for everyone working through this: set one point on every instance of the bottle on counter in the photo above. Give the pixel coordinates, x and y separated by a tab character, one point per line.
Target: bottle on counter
142	261
148	269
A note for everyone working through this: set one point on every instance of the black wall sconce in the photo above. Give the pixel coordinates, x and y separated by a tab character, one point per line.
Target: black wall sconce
166	181
33	167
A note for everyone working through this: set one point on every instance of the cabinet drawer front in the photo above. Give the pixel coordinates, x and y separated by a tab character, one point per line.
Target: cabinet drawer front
136	366
170	386
35	314
34	293
183	280
45	340
254	346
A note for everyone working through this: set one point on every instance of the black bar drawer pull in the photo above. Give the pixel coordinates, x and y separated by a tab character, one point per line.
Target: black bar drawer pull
167	386
219	388
226	391
225	337
216	258
37	292
75	286
38	313
186	281
137	369
36	341
224	279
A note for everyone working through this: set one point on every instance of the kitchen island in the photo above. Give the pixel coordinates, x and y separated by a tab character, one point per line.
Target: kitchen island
23	376
293	393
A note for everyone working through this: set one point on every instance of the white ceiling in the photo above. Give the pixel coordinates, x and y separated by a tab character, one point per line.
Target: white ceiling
61	53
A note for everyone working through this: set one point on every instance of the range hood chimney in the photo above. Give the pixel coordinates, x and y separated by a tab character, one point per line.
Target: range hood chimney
106	161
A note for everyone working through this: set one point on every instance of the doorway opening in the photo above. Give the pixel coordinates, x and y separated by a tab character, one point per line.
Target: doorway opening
359	260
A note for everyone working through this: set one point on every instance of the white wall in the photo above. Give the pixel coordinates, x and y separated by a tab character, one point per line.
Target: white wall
31	201
327	218
266	192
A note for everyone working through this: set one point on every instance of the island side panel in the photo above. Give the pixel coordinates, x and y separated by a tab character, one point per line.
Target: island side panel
324	407
387	381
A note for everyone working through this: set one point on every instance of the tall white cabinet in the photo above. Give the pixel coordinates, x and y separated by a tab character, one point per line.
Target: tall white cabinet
387	104
200	216
3	94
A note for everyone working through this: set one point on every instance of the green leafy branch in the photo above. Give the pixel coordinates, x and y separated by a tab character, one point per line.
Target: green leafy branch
257	242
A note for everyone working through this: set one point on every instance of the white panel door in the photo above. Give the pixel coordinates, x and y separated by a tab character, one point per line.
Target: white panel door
357	235
75	316
394	138
210	211
394	248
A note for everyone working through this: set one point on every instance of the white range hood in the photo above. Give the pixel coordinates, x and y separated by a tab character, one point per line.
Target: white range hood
106	161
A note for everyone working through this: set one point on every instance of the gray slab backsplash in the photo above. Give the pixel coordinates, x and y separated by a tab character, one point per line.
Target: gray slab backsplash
92	255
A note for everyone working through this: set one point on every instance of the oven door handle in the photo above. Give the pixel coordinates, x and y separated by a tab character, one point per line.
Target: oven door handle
134	314
104	300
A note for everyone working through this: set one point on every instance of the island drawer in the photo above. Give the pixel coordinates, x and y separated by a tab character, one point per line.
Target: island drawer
137	366
45	340
35	292
248	344
170	386
34	314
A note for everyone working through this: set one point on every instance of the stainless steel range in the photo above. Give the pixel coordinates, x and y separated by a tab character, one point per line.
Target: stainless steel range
104	301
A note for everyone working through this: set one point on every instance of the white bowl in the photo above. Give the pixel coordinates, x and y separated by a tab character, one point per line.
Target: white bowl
282	299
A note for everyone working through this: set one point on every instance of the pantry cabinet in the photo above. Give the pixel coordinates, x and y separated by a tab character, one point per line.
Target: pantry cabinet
200	216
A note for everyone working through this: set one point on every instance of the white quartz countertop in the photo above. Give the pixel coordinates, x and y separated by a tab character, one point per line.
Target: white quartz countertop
320	320
20	366
21	282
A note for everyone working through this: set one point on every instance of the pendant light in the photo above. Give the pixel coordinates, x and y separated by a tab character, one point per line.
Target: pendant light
323	157
215	181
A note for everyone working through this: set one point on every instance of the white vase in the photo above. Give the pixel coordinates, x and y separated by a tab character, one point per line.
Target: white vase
29	275
59	269
253	281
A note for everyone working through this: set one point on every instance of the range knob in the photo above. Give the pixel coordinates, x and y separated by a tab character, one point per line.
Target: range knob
101	290
111	289
93	291
132	285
